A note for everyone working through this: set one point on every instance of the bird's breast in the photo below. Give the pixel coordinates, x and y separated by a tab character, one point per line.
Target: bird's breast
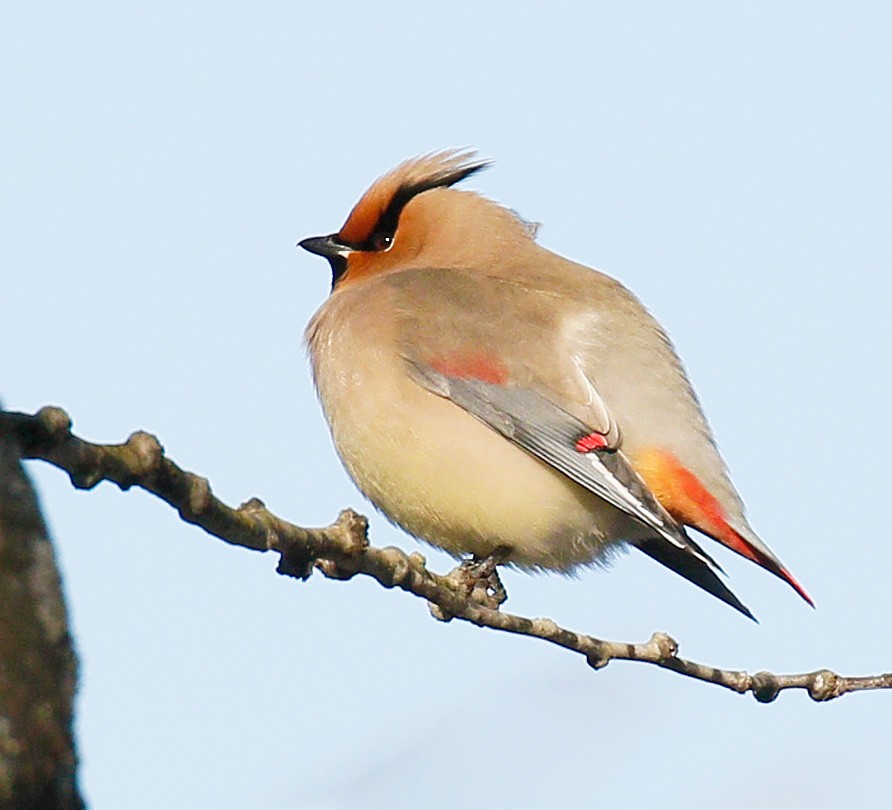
433	468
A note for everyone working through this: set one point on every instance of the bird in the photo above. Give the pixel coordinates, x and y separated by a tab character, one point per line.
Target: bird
495	399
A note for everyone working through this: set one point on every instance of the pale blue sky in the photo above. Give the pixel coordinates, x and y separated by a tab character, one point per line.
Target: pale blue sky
729	164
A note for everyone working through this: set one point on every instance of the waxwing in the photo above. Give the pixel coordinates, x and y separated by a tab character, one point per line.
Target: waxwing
494	398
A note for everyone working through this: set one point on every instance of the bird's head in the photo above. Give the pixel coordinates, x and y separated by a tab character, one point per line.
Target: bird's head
411	217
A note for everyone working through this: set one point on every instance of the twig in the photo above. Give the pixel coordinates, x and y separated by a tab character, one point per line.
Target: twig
342	551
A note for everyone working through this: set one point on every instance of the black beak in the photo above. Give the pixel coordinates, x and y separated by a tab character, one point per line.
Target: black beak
331	249
326	246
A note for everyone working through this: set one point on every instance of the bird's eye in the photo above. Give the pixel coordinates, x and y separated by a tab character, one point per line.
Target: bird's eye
382	241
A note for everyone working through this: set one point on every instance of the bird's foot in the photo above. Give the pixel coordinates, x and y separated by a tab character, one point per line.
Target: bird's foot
479	578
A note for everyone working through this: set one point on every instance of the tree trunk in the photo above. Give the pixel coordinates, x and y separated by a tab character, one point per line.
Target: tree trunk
38	666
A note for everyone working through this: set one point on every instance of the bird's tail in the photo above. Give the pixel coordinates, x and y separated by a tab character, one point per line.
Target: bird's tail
693	568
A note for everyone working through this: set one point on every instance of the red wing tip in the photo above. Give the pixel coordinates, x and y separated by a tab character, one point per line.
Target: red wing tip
593	441
796	586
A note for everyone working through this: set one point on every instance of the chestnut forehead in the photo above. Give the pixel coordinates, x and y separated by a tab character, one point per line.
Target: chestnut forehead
382	203
367	213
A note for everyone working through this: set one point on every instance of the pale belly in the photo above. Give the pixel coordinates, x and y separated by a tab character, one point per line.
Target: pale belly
449	479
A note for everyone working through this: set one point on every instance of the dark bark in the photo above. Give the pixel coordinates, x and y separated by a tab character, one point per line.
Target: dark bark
38	666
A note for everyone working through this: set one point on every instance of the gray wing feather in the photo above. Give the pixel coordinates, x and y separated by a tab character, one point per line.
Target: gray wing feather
548	432
542	428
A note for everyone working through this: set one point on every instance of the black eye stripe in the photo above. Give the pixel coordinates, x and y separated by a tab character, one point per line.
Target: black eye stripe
389	219
387	222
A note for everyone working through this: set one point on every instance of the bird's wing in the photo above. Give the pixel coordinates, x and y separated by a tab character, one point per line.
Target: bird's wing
470	324
542	428
506	353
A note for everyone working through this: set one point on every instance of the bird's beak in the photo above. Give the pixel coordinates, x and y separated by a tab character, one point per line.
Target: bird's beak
326	246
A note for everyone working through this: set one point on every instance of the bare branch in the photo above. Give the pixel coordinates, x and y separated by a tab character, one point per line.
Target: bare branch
342	550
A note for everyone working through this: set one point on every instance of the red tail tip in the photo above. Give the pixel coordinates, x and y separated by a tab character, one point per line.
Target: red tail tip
796	586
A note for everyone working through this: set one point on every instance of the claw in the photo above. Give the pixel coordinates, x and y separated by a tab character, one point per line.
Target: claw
479	579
